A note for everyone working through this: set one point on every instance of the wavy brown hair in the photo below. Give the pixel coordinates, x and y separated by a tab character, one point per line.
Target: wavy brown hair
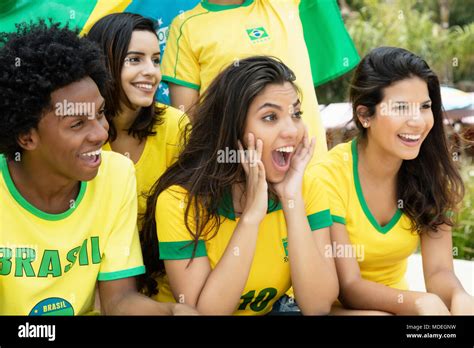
430	185
219	124
113	34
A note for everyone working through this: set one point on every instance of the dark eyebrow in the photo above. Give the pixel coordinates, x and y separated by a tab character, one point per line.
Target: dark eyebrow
405	102
141	53
62	117
135	52
271	105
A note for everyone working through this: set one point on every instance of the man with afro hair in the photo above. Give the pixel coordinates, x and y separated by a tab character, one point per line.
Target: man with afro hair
67	209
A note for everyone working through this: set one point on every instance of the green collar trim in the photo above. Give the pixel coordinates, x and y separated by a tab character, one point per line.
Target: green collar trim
393	221
226	206
216	7
27	205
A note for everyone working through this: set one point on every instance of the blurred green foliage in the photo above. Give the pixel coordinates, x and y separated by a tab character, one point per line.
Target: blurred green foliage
463	233
413	25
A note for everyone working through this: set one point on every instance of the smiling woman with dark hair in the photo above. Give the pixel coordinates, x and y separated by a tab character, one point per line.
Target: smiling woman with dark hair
231	234
393	187
144	131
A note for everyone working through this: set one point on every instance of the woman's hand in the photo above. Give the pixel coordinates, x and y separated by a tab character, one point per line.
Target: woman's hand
256	191
430	304
291	186
462	303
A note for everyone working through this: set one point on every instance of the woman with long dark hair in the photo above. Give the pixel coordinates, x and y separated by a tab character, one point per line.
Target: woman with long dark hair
236	220
144	131
392	187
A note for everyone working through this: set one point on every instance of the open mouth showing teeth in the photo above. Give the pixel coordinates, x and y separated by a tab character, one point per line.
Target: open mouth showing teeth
413	138
92	156
281	156
144	86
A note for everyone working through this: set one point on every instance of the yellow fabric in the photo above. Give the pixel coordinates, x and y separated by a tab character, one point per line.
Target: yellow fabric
103	8
269	276
383	250
50	263
203	42
161	150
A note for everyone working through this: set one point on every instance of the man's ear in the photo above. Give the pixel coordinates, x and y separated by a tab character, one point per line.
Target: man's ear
362	113
29	141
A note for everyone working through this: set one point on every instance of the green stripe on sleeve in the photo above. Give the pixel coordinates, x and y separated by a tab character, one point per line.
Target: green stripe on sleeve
181	250
338	219
126	273
320	219
180	82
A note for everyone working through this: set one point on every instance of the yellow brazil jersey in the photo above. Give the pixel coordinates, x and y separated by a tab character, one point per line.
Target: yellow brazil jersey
160	151
269	276
381	251
208	38
50	263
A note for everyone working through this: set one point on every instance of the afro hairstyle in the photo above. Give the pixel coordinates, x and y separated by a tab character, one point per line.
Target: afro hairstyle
35	61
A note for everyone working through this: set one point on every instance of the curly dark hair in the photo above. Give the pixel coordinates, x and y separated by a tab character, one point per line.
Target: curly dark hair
36	60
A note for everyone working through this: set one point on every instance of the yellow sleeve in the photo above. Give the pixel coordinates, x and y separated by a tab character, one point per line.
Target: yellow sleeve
180	65
174	240
122	256
336	189
316	203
